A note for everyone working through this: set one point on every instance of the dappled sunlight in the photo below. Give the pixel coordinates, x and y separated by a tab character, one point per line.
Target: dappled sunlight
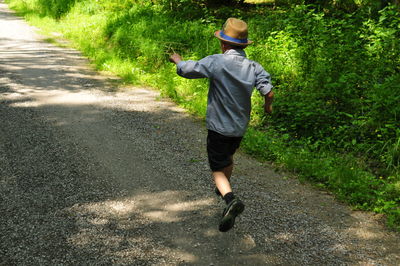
38	99
171	212
89	94
286	237
248	242
25	104
119	225
210	233
40	75
365	229
164	203
365	233
188	206
121	208
79	98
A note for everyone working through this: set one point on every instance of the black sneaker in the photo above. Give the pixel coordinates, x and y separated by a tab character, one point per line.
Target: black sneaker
234	208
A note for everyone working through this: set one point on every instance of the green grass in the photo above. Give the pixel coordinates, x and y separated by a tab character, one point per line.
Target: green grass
336	124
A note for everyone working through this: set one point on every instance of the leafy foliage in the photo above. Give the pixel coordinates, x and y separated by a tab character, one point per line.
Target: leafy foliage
55	8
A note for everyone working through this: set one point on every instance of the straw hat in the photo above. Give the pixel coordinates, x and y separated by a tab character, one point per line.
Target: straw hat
234	32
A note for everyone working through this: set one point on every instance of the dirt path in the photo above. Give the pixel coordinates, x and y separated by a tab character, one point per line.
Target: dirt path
91	175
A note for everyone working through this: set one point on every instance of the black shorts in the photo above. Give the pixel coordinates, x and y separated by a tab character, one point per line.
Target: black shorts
220	149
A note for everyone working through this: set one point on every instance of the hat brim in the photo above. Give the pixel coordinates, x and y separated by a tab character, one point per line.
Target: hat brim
217	34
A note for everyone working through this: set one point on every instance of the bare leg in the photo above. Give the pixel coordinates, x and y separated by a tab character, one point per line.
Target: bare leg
234	205
222	178
228	171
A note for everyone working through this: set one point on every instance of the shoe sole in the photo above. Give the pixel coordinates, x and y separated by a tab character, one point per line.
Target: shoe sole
228	221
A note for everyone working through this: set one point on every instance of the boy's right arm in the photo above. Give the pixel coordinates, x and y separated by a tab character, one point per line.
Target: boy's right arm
264	86
269	97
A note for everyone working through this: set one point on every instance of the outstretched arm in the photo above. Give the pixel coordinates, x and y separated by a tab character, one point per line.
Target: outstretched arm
175	58
193	69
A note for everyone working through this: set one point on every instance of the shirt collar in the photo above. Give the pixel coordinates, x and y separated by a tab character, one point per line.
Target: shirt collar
239	52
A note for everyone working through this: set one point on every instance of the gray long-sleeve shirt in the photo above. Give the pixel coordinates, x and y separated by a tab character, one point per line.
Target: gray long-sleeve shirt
232	79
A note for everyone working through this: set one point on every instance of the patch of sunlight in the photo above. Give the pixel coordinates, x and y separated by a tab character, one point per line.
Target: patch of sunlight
166	206
185	256
365	233
75	94
99	221
121	207
211	232
162	216
16	67
70	99
248	242
365	229
25	103
287	237
170	212
99	224
51	98
188	206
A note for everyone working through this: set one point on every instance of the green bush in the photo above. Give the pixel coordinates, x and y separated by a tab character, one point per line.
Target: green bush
55	8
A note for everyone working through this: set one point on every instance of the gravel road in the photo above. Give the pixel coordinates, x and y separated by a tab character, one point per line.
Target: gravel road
92	174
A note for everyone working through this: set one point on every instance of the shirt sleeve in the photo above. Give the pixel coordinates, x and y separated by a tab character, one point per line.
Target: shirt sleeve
263	81
196	69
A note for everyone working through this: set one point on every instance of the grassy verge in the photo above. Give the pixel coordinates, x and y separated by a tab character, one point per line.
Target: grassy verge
335	124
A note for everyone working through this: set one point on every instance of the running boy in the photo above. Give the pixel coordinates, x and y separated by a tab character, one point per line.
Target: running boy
232	79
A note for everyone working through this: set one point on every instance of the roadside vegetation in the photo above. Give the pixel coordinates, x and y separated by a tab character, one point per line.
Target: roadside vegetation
335	66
